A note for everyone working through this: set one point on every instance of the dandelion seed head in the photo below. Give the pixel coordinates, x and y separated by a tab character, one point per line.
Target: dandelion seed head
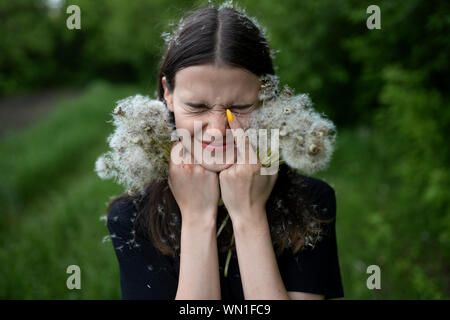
139	145
269	86
103	167
306	137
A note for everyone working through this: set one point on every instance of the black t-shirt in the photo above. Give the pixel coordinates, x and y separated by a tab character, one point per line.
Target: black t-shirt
145	273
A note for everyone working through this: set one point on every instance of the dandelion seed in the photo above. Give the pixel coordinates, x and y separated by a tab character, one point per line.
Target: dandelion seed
106	238
312	224
300	139
269	86
313	149
167	37
150	267
118	111
278	204
136	140
148	286
103	218
286	92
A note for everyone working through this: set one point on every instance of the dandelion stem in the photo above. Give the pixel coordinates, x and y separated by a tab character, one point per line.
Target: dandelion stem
228	256
224	222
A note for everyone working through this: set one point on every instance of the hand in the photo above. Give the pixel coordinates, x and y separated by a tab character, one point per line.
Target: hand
244	190
195	189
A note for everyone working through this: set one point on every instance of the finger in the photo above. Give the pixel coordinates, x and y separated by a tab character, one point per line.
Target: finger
179	155
241	140
188	158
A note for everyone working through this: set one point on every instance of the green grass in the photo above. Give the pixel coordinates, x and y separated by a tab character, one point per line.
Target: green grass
52	201
377	225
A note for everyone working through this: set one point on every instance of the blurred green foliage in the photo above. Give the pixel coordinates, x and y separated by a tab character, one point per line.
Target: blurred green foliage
387	90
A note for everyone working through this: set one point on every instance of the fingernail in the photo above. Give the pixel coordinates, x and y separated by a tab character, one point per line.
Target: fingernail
229	115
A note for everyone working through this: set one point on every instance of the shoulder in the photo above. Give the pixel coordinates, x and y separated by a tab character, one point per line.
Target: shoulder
121	214
317	192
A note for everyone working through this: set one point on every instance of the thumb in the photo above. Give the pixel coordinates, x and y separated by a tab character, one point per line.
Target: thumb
241	139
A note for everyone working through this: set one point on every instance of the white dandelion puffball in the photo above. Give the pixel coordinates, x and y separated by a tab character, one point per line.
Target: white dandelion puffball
306	138
140	144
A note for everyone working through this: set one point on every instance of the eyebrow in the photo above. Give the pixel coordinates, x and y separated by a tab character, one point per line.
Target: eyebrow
199	105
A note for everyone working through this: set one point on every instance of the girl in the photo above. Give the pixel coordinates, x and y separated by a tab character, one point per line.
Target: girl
171	243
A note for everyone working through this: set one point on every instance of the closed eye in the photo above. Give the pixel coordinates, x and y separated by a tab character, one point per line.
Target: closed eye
204	106
197	105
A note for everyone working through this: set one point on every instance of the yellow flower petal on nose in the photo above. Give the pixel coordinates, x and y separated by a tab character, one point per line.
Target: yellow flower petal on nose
229	115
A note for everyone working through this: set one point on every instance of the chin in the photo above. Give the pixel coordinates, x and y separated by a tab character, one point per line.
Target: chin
216	167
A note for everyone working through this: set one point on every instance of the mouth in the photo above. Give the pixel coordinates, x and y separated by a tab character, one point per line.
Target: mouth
211	146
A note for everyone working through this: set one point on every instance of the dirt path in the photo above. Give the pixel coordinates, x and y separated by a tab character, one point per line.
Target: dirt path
17	112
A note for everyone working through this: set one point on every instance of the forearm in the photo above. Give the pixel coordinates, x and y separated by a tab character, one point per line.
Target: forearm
260	275
199	264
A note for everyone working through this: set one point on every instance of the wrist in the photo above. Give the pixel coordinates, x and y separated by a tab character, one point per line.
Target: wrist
254	229
205	219
253	218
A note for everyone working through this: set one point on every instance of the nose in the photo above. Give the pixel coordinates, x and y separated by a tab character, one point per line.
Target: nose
217	120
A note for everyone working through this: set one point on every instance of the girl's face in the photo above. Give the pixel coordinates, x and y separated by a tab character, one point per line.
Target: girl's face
203	93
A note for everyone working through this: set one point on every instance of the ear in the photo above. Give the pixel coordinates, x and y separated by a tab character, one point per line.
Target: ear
167	95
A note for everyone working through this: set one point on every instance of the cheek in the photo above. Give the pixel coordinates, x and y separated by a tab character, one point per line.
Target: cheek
244	120
186	122
182	121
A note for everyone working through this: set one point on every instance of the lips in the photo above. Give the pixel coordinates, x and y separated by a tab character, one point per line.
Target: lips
210	146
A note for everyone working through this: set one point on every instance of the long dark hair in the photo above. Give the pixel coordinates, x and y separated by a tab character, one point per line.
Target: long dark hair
222	37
